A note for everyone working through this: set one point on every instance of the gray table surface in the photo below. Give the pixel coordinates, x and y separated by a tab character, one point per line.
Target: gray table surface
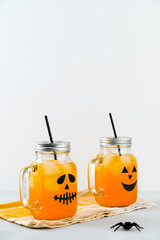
148	218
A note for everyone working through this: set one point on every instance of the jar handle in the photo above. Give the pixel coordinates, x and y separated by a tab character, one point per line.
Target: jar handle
24	184
91	174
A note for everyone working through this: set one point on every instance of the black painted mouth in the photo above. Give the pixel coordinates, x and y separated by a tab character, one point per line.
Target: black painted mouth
129	187
66	198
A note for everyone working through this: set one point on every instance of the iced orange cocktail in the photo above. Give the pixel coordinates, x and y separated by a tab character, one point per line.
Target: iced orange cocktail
52	185
113	176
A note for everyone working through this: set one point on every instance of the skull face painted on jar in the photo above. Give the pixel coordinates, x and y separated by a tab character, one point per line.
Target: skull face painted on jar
67	189
53	184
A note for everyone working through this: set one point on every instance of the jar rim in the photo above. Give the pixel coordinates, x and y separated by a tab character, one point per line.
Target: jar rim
112	141
57	146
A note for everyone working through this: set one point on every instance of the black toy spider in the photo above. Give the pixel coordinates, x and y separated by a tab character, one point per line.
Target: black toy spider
126	226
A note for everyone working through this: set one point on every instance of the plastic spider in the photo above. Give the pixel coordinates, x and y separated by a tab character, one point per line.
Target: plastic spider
126	226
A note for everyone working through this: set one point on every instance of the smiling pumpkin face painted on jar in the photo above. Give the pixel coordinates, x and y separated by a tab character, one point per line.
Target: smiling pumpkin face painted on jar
115	177
133	174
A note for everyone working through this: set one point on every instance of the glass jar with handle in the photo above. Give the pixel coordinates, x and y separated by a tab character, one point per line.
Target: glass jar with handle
48	187
112	175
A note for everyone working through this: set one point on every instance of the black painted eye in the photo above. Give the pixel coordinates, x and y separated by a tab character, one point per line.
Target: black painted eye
134	169
71	177
60	180
124	170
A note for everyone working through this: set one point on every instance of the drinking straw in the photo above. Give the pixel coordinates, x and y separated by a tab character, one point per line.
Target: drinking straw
114	131
50	134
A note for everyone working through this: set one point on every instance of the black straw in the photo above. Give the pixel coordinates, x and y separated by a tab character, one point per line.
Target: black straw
114	130
50	134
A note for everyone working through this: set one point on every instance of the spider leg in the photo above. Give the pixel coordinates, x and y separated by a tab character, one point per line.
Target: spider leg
137	228
117	224
117	228
135	224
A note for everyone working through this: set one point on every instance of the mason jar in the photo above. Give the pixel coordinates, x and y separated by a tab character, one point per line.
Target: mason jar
48	187
112	175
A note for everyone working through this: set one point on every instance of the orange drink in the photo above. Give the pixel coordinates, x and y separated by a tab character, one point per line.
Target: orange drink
52	188
113	176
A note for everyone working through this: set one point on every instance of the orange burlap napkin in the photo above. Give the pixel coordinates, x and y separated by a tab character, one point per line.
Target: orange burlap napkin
88	210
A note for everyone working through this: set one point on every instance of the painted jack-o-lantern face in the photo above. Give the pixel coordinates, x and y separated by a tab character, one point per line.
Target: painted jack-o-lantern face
66	197
129	187
116	180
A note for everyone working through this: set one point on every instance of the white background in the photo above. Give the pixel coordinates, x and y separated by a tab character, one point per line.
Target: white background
76	61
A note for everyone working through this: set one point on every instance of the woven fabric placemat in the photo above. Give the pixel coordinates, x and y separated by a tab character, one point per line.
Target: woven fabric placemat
87	210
